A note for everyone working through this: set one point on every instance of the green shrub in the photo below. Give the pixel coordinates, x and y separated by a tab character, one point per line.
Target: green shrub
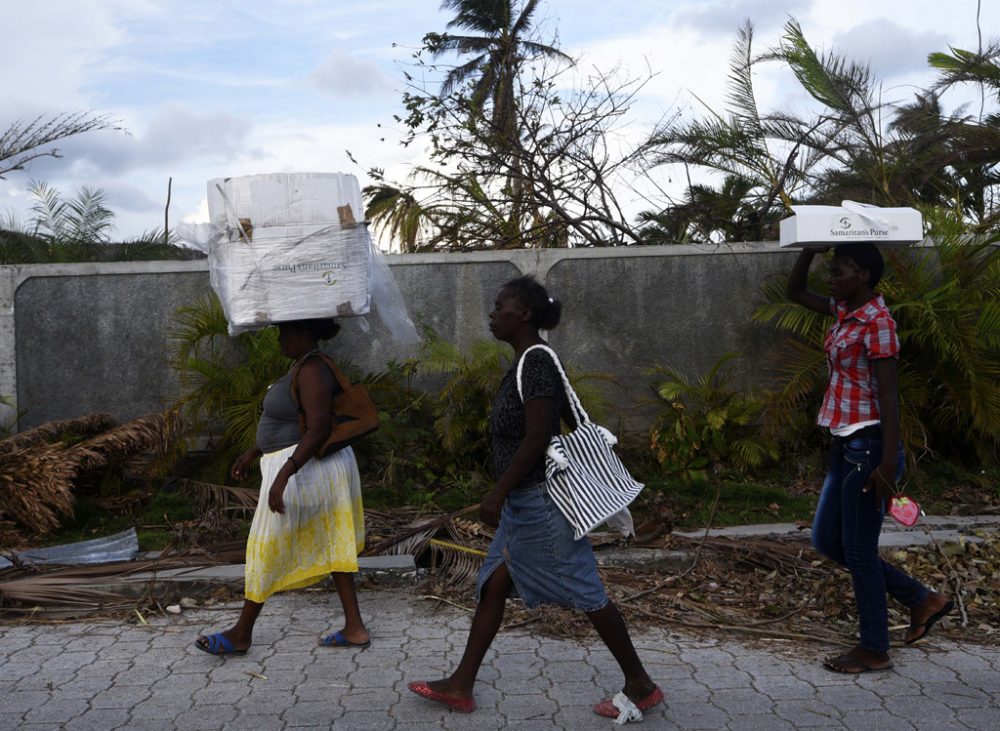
707	426
223	380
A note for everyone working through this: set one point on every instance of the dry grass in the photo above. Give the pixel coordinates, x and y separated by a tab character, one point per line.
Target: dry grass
766	588
762	589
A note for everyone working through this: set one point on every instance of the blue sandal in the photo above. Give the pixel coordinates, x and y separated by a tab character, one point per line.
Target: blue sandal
217	644
337	639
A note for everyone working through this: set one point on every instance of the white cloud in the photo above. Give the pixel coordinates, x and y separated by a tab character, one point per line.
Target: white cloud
343	74
50	50
198	214
126	197
891	49
726	16
174	135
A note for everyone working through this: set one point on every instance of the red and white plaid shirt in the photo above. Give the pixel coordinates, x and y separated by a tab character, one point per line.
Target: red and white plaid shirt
859	337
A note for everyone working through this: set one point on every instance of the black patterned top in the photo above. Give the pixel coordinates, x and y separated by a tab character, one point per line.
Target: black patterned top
539	379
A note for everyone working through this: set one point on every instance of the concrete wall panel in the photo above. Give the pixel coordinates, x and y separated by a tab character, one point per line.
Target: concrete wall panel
93	337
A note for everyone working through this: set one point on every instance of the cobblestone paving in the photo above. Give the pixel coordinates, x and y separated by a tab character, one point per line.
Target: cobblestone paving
113	675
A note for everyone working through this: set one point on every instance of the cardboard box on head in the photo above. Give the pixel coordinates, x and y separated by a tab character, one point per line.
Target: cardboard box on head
293	248
851	222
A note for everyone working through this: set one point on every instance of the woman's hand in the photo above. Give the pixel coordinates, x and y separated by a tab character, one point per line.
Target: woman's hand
241	467
884	487
275	496
490	507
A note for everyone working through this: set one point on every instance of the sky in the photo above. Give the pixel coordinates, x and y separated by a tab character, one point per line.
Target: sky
207	89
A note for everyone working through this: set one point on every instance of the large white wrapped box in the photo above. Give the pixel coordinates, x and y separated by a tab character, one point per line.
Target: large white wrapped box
851	222
294	248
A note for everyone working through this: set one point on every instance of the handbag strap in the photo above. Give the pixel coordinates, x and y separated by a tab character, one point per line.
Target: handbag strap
574	401
338	375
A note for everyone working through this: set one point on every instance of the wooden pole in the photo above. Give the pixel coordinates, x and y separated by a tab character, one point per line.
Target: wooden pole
166	213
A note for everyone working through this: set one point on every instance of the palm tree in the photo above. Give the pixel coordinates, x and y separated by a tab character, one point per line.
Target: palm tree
499	48
969	67
398	213
709	214
767	158
923	157
84	218
981	145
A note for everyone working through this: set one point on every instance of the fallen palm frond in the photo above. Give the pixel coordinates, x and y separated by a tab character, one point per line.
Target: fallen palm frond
31	593
36	487
211	496
50	591
84	426
154	433
36	479
413	538
457	564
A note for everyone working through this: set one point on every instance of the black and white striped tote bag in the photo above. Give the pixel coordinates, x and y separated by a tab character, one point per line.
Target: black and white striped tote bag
587	481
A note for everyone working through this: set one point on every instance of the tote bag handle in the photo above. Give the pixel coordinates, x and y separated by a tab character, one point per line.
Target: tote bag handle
574	401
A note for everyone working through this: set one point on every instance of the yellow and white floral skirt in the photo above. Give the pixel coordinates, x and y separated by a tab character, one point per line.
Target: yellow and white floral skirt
322	529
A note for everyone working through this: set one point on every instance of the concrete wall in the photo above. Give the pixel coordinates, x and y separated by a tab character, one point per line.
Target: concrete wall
77	338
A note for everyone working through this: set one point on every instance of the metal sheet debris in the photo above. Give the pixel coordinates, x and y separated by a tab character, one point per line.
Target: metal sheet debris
122	546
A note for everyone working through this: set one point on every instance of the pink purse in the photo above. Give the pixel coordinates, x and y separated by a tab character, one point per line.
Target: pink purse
904	510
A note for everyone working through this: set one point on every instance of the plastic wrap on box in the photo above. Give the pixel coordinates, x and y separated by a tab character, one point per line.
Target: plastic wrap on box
293	273
278	198
292	248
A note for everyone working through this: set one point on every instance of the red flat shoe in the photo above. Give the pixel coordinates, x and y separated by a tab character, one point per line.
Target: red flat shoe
607	709
462	705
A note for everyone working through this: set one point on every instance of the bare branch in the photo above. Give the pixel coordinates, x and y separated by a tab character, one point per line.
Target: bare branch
23	142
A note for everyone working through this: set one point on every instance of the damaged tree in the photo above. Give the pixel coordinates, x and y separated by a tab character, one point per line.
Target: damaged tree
545	173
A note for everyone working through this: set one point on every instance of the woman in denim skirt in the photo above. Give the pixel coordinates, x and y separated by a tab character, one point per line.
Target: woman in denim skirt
861	410
533	552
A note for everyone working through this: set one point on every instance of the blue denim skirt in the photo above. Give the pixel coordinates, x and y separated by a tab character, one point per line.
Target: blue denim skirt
547	566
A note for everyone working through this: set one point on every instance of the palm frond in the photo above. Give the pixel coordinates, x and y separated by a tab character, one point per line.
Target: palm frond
836	82
963	67
152	433
36	486
62	430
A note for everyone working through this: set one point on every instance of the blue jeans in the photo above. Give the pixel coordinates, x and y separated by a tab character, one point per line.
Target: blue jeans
846	530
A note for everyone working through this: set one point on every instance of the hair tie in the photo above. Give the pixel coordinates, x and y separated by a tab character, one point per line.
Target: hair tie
551	301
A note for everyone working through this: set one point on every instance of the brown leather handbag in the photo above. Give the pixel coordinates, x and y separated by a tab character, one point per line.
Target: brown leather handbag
354	414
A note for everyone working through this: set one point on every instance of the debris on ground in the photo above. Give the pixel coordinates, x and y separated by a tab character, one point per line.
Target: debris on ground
777	588
41	467
774	588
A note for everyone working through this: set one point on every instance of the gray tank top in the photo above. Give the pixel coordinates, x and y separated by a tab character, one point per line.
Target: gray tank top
279	424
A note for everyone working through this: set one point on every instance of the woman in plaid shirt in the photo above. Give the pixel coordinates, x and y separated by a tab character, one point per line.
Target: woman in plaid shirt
861	411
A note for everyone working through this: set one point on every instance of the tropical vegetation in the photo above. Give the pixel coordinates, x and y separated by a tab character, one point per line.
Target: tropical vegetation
76	229
707	425
853	145
522	150
433	442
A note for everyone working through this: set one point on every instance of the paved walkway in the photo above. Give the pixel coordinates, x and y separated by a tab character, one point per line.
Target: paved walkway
112	675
